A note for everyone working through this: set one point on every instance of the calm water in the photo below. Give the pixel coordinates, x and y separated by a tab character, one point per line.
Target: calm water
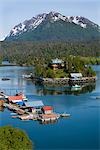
81	131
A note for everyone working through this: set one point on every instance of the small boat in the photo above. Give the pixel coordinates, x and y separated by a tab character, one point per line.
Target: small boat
13	113
65	115
27	76
76	86
5	79
14	116
97	97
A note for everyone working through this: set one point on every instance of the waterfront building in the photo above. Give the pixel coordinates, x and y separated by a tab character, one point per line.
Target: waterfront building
47	109
15	99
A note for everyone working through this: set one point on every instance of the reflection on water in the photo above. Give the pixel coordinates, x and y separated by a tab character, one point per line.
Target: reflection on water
46	90
17	83
1	108
97	69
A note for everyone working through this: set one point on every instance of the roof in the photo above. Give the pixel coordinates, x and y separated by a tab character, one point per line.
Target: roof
56	61
34	104
15	98
76	75
45	108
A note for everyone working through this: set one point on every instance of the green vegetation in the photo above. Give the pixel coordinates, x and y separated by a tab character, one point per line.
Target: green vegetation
73	64
76	55
30	53
14	139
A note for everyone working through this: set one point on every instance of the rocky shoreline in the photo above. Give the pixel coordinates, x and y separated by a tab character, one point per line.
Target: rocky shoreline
64	81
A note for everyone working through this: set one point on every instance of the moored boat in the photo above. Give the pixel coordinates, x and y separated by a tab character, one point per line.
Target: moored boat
97	97
65	115
5	79
76	86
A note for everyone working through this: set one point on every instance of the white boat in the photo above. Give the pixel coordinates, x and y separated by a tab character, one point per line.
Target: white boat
65	115
76	86
27	76
13	113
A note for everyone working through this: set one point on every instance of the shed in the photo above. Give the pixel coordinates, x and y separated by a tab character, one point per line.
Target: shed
76	75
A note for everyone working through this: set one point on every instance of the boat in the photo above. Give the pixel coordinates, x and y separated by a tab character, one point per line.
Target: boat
13	114
27	76
76	86
5	79
97	97
65	115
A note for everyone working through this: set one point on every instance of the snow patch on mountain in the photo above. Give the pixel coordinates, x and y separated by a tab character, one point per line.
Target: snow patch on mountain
38	21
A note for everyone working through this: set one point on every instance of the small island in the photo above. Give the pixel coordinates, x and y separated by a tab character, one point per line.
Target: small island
71	71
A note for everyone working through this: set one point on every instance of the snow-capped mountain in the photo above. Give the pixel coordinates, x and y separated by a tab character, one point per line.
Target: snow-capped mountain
47	20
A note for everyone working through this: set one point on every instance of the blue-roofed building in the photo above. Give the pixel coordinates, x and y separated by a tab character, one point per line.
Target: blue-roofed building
34	104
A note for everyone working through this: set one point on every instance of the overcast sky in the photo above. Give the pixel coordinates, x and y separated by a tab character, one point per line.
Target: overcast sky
12	12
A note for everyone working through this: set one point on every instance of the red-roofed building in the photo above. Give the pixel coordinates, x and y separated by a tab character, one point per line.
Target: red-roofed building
47	109
15	99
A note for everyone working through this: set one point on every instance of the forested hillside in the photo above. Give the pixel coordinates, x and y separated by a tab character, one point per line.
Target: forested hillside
31	52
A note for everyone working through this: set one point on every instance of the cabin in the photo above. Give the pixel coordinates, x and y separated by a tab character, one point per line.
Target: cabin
47	109
57	64
75	76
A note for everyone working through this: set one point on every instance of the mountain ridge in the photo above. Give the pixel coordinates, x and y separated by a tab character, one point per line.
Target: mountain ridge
54	26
